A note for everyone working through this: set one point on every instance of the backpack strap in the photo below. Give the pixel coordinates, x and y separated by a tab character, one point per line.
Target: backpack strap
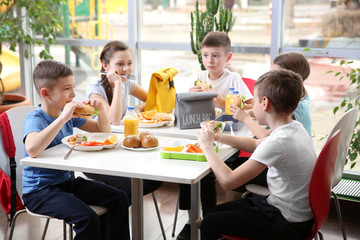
10	150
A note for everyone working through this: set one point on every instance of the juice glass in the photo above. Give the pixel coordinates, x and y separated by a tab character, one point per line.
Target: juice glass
131	126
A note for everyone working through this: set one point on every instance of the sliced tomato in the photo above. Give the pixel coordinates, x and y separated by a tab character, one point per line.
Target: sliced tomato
92	143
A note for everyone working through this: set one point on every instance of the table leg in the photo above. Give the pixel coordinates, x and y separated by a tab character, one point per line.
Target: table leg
195	210
137	210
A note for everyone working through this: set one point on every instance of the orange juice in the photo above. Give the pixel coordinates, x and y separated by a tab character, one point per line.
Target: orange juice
227	101
131	126
232	99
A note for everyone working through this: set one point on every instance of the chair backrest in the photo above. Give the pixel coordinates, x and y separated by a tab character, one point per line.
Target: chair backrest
17	117
250	83
320	182
346	123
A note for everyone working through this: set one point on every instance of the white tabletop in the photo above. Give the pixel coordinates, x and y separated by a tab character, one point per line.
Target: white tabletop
126	163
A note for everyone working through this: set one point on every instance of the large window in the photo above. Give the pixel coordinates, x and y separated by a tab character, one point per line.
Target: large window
322	24
158	33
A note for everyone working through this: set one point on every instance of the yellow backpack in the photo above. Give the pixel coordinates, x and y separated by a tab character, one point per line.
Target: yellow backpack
162	93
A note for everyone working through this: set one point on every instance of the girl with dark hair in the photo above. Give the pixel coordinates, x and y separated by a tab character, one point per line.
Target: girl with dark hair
114	88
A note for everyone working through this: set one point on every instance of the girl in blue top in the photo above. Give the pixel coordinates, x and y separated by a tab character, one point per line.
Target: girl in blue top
296	62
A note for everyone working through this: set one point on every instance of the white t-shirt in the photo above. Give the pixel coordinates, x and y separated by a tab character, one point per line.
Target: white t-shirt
290	156
226	81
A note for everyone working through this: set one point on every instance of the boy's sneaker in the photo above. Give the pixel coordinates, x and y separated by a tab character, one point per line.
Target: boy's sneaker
185	233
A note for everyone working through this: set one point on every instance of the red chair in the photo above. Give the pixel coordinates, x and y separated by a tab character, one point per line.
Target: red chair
250	83
319	187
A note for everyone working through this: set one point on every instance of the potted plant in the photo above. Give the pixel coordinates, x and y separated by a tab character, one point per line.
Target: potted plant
21	19
216	17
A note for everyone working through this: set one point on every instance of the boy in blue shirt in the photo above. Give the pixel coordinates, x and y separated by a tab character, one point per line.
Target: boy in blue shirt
289	155
56	192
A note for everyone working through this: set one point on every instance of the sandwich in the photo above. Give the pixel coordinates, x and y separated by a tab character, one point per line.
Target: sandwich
240	101
86	111
203	84
216	126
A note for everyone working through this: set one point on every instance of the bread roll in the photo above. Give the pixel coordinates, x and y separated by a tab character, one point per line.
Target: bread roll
149	141
143	134
132	141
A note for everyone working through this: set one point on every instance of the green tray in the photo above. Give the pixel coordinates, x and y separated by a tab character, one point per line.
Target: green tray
184	155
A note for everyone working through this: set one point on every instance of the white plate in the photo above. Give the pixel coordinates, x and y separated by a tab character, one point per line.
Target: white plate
140	149
153	125
99	137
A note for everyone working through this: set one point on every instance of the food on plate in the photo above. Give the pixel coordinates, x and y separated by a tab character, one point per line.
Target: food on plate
173	149
91	143
143	134
192	148
86	111
162	117
111	140
132	141
149	141
239	101
72	139
148	114
203	84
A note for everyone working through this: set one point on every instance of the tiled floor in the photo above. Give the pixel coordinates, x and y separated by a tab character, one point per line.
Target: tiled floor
30	228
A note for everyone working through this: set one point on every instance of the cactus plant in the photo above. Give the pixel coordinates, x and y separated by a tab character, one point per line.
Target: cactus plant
216	17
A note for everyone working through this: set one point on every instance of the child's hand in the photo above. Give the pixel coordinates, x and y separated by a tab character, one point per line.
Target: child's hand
238	113
219	101
68	111
206	137
95	103
195	89
114	78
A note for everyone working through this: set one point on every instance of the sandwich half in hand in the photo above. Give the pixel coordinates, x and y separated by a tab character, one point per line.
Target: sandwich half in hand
86	111
203	84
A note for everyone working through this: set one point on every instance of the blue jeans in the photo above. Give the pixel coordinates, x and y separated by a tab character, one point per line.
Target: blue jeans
69	201
252	218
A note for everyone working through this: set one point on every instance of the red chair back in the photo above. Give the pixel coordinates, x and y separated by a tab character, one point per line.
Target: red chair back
250	83
320	182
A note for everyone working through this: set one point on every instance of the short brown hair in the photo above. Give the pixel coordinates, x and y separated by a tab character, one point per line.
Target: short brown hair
47	73
294	61
283	88
216	39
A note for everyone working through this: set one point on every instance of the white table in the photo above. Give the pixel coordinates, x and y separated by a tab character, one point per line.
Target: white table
137	166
